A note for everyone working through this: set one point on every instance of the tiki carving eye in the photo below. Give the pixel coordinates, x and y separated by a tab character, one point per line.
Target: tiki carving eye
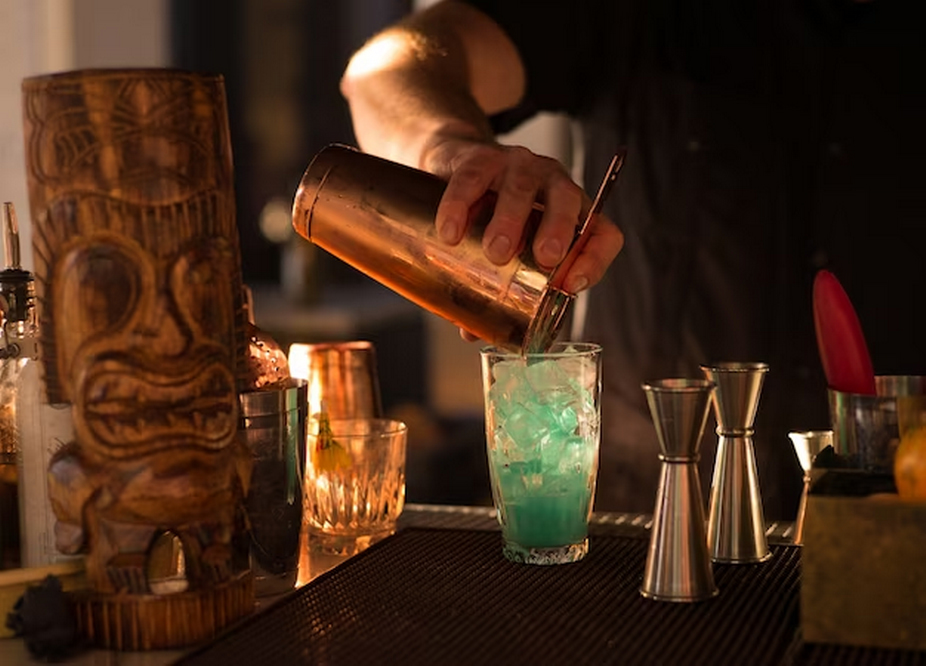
98	288
208	311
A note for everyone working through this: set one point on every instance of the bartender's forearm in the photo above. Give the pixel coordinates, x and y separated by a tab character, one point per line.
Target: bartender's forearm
434	77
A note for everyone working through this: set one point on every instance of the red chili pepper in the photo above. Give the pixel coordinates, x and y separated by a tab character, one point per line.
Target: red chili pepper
842	347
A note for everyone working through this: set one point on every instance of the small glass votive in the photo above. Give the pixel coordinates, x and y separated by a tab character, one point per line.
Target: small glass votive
355	483
866	430
542	434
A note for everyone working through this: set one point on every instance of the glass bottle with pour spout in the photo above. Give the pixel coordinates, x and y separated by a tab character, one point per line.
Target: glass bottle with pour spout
40	428
17	344
378	216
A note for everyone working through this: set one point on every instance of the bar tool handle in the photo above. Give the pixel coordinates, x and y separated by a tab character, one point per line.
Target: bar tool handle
580	239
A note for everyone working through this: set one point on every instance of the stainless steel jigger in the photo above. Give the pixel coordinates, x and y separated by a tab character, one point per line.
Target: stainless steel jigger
678	563
736	523
807	445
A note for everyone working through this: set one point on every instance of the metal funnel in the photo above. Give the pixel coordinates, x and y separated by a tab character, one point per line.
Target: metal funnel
678	565
736	523
807	445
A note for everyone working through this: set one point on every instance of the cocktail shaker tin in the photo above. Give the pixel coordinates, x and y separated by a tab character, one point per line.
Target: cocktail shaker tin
272	424
378	216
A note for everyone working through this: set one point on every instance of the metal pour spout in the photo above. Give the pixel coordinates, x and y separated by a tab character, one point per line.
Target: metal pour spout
11	236
16	285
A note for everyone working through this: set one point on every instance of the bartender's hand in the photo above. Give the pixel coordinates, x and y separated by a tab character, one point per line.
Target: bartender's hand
520	178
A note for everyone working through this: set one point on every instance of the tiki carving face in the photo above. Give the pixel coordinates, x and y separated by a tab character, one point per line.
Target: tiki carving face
130	177
140	285
148	361
141	313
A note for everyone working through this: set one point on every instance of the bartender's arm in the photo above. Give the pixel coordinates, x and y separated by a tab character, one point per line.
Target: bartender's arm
420	93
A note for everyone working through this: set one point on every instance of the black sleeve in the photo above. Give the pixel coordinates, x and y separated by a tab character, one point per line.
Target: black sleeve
559	43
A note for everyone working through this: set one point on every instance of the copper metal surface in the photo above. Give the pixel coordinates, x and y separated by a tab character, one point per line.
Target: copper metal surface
342	375
378	216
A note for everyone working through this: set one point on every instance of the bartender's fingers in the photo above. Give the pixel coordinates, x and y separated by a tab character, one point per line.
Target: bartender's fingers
604	243
563	206
469	337
523	180
473	168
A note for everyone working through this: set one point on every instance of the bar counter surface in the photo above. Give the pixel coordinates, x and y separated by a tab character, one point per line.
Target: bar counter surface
439	591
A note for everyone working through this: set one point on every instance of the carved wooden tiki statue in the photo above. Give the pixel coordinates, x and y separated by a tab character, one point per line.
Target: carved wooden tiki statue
143	332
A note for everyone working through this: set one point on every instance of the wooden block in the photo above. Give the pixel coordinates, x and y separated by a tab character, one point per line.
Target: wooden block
863	572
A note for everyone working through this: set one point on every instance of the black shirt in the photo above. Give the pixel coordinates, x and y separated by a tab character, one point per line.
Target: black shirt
766	140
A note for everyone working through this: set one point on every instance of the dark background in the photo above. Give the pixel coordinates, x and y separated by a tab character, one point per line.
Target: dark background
282	61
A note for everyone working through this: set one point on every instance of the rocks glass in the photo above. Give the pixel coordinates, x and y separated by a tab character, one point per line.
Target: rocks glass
355	483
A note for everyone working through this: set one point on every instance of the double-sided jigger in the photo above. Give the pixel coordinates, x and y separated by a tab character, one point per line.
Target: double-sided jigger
736	522
807	445
678	563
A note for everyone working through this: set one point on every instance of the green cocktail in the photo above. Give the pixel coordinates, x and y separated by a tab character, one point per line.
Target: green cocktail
542	434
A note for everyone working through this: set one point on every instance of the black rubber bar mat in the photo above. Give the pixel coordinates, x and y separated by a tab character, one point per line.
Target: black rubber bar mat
439	596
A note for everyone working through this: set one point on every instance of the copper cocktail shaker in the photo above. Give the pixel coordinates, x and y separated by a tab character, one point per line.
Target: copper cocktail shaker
378	216
342	376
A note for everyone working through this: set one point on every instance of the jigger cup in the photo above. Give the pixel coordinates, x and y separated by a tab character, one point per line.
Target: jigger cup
378	216
807	445
736	521
678	563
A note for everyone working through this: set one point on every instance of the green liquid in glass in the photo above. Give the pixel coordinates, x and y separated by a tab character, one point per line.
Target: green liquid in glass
552	513
542	423
547	522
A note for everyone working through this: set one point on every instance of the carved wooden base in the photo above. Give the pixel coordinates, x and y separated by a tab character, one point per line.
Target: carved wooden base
156	622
